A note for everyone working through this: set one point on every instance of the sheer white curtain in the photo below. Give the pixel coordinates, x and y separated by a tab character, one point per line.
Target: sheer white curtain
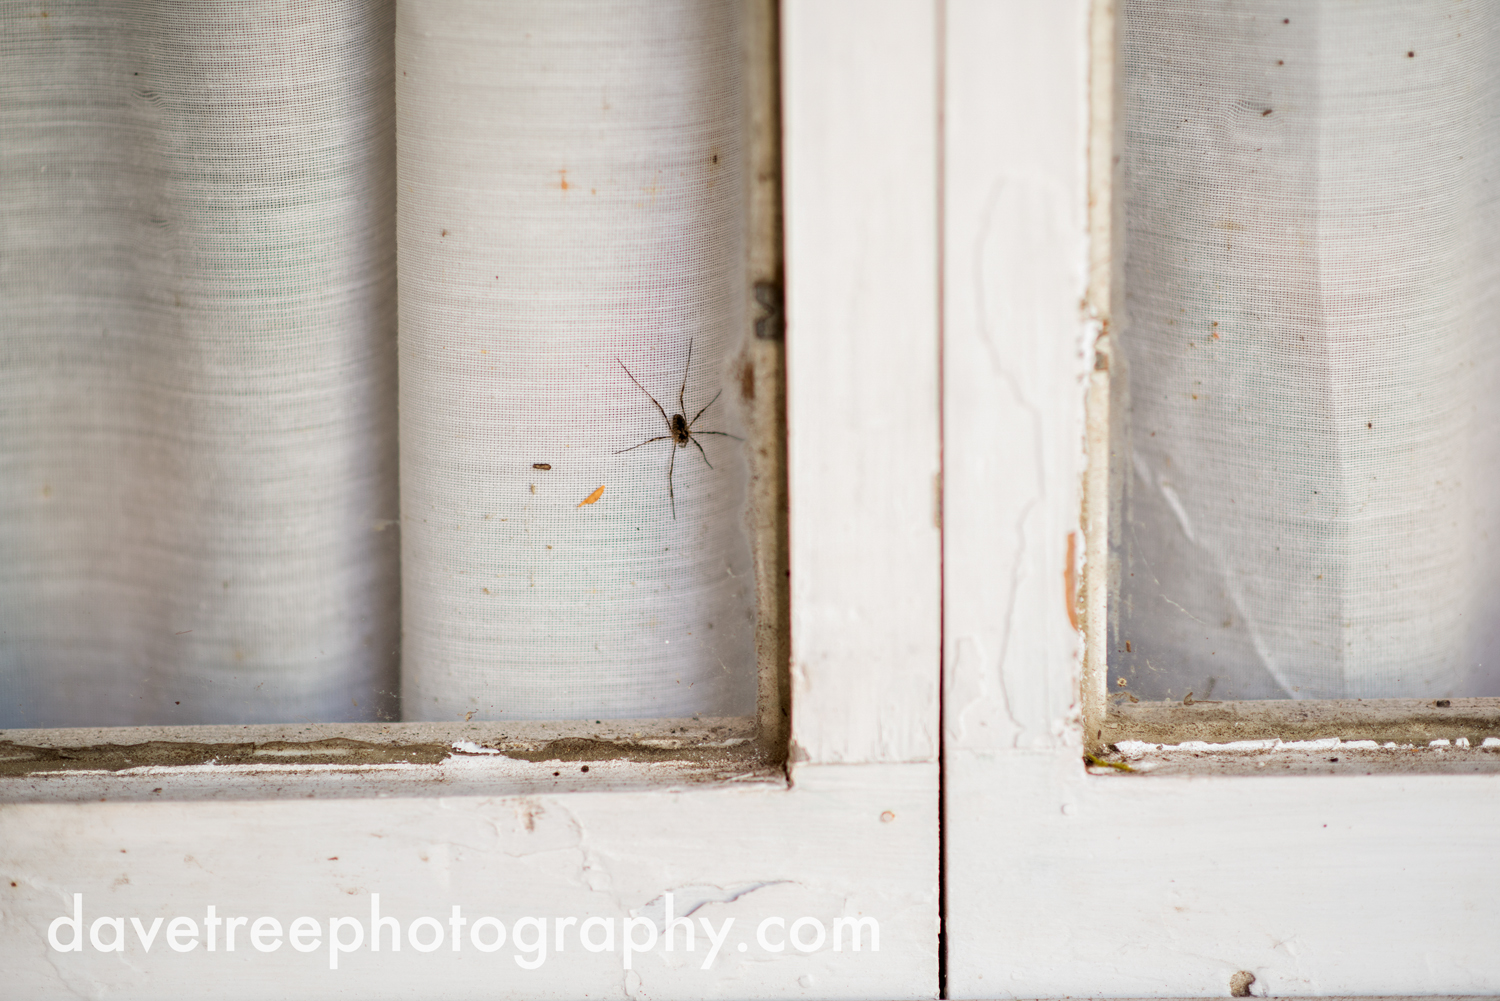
197	385
199	514
1309	440
572	218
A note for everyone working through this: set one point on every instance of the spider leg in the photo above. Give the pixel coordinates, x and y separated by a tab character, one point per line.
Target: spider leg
670	495
648	395
648	441
680	408
721	434
701	452
706	406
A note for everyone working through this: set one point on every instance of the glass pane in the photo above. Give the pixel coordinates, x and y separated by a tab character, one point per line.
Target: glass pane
197	364
210	510
573	304
1307	428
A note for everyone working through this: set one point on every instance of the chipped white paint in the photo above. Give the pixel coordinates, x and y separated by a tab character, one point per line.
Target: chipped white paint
1140	748
861	236
1060	882
1330	756
822	848
469	747
1017	355
1166	886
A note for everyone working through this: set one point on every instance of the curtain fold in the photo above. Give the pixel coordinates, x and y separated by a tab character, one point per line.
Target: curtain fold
1309	437
203	514
197	430
572	248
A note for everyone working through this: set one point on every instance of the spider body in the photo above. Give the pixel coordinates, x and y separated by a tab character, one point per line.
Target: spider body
679	429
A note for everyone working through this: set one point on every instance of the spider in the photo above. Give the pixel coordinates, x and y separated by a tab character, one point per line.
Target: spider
679	429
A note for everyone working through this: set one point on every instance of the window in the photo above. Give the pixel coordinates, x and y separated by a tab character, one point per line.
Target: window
205	527
1187	882
947	170
847	832
1300	367
1266	544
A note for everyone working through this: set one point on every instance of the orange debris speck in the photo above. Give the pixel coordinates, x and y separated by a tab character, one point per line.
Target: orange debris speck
592	497
1070	579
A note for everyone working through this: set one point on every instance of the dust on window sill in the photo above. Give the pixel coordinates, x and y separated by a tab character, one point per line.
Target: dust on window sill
361	760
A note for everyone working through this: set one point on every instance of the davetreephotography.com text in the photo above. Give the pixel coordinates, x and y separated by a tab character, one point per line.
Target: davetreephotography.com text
529	940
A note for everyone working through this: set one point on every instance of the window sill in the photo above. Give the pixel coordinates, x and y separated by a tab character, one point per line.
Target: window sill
1404	721
375	760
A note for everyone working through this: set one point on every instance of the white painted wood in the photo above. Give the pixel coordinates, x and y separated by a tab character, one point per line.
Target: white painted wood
861	228
1015	366
840	842
856	839
1060	883
462	775
1166	886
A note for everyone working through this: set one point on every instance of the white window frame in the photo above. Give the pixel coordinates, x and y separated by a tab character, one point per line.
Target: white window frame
849	830
1058	882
